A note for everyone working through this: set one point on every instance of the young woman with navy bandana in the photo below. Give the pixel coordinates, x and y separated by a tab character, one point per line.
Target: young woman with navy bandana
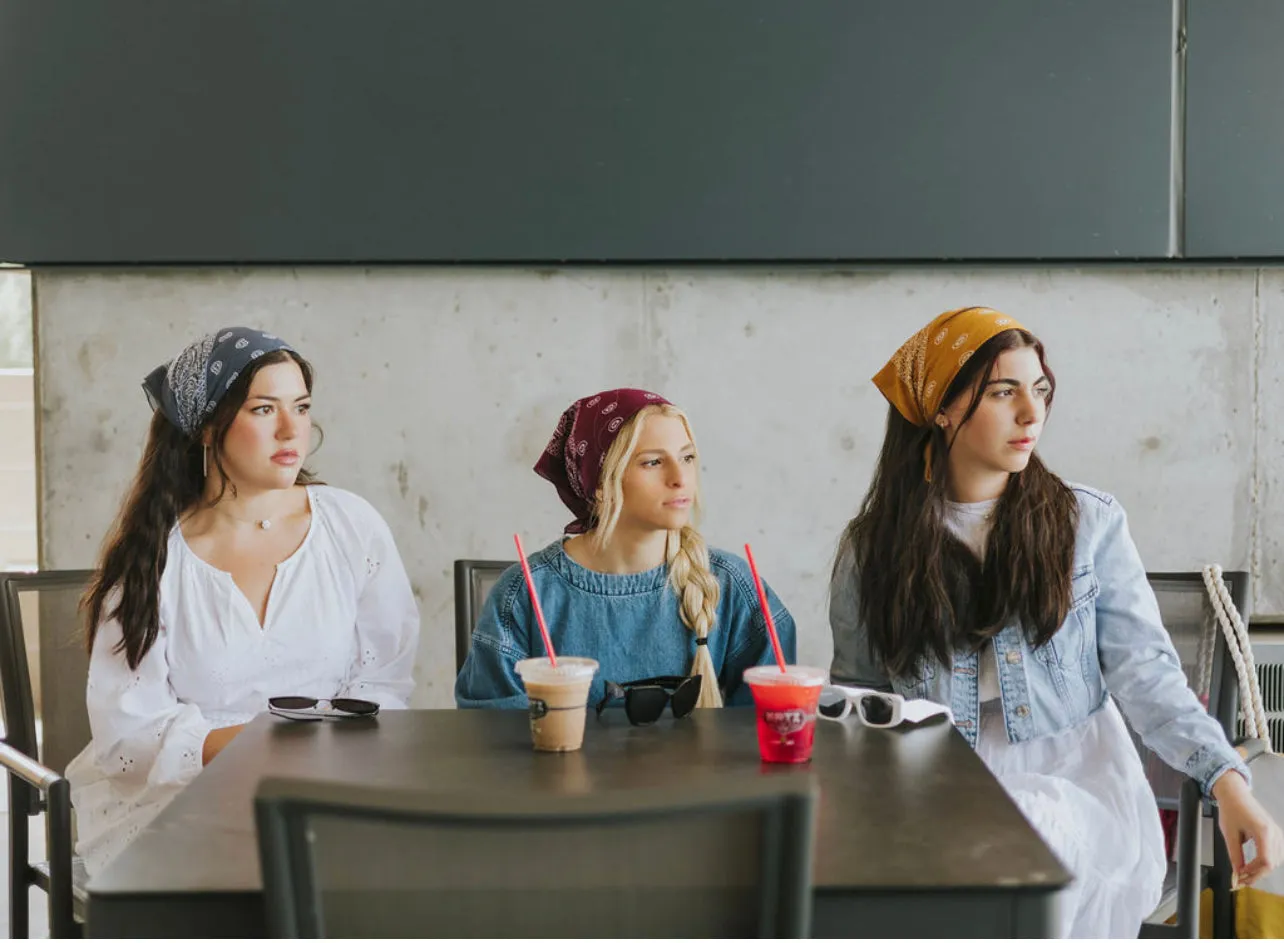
231	576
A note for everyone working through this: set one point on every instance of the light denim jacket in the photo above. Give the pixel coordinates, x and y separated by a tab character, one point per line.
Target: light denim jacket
629	623
1112	643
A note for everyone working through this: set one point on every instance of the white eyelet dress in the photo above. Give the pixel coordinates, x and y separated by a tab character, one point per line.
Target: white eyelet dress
1084	791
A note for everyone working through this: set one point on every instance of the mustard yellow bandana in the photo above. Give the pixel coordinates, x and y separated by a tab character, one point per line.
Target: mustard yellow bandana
917	376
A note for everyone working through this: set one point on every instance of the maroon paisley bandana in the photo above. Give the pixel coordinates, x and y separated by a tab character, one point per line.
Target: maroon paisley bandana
572	461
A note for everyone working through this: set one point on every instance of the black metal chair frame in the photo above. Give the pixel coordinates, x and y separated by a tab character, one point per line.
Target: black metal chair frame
1223	701
467	606
33	788
282	807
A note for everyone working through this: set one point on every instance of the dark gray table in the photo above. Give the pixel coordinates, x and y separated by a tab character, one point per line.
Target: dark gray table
914	836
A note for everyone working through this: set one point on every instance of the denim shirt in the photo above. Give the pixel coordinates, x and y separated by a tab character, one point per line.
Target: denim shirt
628	622
1112	642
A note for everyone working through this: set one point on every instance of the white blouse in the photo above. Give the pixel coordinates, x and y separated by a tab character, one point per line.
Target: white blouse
341	621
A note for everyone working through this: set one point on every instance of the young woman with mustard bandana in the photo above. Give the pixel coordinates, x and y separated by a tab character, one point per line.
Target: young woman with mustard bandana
975	577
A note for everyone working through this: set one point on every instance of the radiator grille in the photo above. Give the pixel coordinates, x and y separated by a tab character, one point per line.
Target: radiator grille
1271	679
1268	652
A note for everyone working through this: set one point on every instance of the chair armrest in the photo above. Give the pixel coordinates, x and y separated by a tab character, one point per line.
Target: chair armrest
25	768
1251	749
1189	881
58	840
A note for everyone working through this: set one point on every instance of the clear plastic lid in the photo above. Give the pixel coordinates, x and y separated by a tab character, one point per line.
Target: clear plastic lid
569	669
799	675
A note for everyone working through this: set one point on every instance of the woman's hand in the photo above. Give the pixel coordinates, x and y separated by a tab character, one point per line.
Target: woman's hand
1242	818
217	739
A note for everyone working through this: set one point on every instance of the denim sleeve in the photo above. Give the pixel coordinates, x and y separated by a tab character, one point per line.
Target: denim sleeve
751	645
489	677
1141	667
852	663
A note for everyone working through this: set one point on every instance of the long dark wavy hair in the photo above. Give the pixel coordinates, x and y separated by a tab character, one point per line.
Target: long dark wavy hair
923	593
169	483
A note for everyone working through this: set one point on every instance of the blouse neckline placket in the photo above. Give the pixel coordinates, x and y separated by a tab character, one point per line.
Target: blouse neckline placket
284	566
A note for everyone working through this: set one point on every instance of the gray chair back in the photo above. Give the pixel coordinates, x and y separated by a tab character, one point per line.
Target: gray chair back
722	857
1188	616
44	608
473	582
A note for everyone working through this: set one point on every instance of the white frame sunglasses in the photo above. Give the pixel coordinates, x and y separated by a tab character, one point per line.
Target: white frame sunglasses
872	708
875	708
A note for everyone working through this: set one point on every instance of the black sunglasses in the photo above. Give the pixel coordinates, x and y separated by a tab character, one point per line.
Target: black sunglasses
644	700
320	708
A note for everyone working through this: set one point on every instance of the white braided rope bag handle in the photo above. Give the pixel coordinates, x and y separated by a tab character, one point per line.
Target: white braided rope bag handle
1241	652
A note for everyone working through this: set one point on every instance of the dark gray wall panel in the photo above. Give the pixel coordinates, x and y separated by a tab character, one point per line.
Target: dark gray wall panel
1235	128
507	130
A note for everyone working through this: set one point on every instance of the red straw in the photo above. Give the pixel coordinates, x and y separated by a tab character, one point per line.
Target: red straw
539	612
766	609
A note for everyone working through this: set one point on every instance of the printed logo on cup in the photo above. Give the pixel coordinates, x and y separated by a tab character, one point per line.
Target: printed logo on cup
785	722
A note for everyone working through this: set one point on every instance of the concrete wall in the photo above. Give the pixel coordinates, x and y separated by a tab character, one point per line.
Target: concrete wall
18	547
438	387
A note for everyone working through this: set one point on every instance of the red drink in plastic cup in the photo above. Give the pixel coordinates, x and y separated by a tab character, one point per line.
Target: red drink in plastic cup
786	703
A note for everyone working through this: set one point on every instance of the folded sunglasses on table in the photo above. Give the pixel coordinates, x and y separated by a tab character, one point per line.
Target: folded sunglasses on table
876	708
321	708
644	700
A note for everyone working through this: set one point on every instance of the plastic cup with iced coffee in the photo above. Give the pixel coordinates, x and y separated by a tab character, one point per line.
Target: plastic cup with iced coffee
558	698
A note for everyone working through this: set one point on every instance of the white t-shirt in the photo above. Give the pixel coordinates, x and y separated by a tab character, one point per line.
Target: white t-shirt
971	524
341	620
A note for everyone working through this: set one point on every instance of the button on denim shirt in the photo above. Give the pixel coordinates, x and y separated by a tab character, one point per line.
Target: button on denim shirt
1113	642
628	622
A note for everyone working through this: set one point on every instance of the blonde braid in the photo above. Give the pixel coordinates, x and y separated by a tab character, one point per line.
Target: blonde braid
697	591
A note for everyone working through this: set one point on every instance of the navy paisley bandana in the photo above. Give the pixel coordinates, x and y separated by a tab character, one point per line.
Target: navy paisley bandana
189	387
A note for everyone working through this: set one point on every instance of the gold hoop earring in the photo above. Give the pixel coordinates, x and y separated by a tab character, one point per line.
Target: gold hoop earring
205	461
